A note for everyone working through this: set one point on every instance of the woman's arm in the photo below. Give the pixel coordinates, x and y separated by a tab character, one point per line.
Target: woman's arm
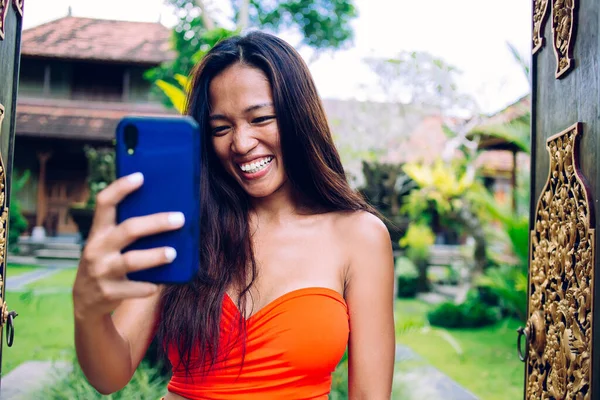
109	349
115	317
369	294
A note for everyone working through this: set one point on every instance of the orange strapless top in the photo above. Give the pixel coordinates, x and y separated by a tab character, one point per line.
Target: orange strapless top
293	345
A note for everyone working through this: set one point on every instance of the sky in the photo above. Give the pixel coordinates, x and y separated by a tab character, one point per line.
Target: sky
471	35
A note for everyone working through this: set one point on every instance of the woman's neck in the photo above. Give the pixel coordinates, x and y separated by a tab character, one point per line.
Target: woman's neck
280	206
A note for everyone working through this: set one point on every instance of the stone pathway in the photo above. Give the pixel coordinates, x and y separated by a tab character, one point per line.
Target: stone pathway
424	382
30	377
18	283
49	263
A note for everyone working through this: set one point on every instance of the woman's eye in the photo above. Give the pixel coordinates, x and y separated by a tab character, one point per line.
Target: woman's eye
263	119
219	130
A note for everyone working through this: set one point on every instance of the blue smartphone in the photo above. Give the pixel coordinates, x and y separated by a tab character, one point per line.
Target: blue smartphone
166	150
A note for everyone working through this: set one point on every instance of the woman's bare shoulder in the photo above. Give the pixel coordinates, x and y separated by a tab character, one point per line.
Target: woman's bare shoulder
361	228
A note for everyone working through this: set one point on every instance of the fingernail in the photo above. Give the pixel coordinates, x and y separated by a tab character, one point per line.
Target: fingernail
176	219
136	178
170	254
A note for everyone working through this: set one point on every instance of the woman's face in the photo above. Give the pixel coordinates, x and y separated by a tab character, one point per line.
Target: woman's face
244	129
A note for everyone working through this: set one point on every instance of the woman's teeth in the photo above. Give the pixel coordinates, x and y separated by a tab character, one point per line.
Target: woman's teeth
256	166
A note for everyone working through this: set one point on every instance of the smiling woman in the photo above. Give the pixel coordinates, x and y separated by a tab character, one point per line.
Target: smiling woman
293	260
245	131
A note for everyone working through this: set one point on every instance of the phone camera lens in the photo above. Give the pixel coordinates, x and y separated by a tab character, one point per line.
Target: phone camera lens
130	138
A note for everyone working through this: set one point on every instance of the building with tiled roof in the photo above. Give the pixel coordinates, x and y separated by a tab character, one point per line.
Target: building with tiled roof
78	78
75	38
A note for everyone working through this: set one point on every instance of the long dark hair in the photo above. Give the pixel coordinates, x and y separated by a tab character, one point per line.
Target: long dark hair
190	314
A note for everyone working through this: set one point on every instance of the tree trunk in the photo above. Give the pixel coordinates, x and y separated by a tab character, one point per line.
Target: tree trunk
422	280
209	24
475	229
243	17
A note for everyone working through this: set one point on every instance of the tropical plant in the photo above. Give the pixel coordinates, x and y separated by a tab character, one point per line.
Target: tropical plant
17	222
508	281
417	241
407	278
453	190
385	187
146	383
339	380
101	171
472	313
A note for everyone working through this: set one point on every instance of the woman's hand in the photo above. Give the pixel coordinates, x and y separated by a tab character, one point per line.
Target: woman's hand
101	283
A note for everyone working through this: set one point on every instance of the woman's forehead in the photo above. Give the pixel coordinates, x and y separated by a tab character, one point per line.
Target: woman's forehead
240	86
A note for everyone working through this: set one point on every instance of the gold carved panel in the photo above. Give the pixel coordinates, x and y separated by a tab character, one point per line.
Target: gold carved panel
3	10
19	6
563	30
5	316
540	15
561	281
4	6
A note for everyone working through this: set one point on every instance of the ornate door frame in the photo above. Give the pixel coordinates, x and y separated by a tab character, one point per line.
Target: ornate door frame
11	20
565	135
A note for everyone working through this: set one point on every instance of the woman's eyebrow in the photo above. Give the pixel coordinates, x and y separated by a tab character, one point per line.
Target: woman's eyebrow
257	106
215	117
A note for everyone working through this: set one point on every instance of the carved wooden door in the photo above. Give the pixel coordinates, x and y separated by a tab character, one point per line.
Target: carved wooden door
560	358
11	17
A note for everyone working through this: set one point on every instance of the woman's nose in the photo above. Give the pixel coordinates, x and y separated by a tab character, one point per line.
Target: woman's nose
243	140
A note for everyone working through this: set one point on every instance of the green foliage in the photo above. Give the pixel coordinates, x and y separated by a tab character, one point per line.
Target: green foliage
418	240
405	267
101	171
509	283
176	95
447	185
407	278
146	383
17	223
515	132
324	24
473	313
385	186
191	41
339	380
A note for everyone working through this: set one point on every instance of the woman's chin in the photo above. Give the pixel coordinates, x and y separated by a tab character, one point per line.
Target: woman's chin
263	190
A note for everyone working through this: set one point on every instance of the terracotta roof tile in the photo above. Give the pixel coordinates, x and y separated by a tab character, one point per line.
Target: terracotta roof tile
98	39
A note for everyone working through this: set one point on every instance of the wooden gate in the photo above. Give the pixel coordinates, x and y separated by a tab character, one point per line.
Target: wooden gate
11	17
562	326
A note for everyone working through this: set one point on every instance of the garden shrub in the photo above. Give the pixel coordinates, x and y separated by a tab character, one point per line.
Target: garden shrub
407	278
339	380
146	383
473	313
17	222
447	315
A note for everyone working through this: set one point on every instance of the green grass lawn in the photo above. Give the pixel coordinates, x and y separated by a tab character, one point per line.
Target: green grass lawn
43	329
489	366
